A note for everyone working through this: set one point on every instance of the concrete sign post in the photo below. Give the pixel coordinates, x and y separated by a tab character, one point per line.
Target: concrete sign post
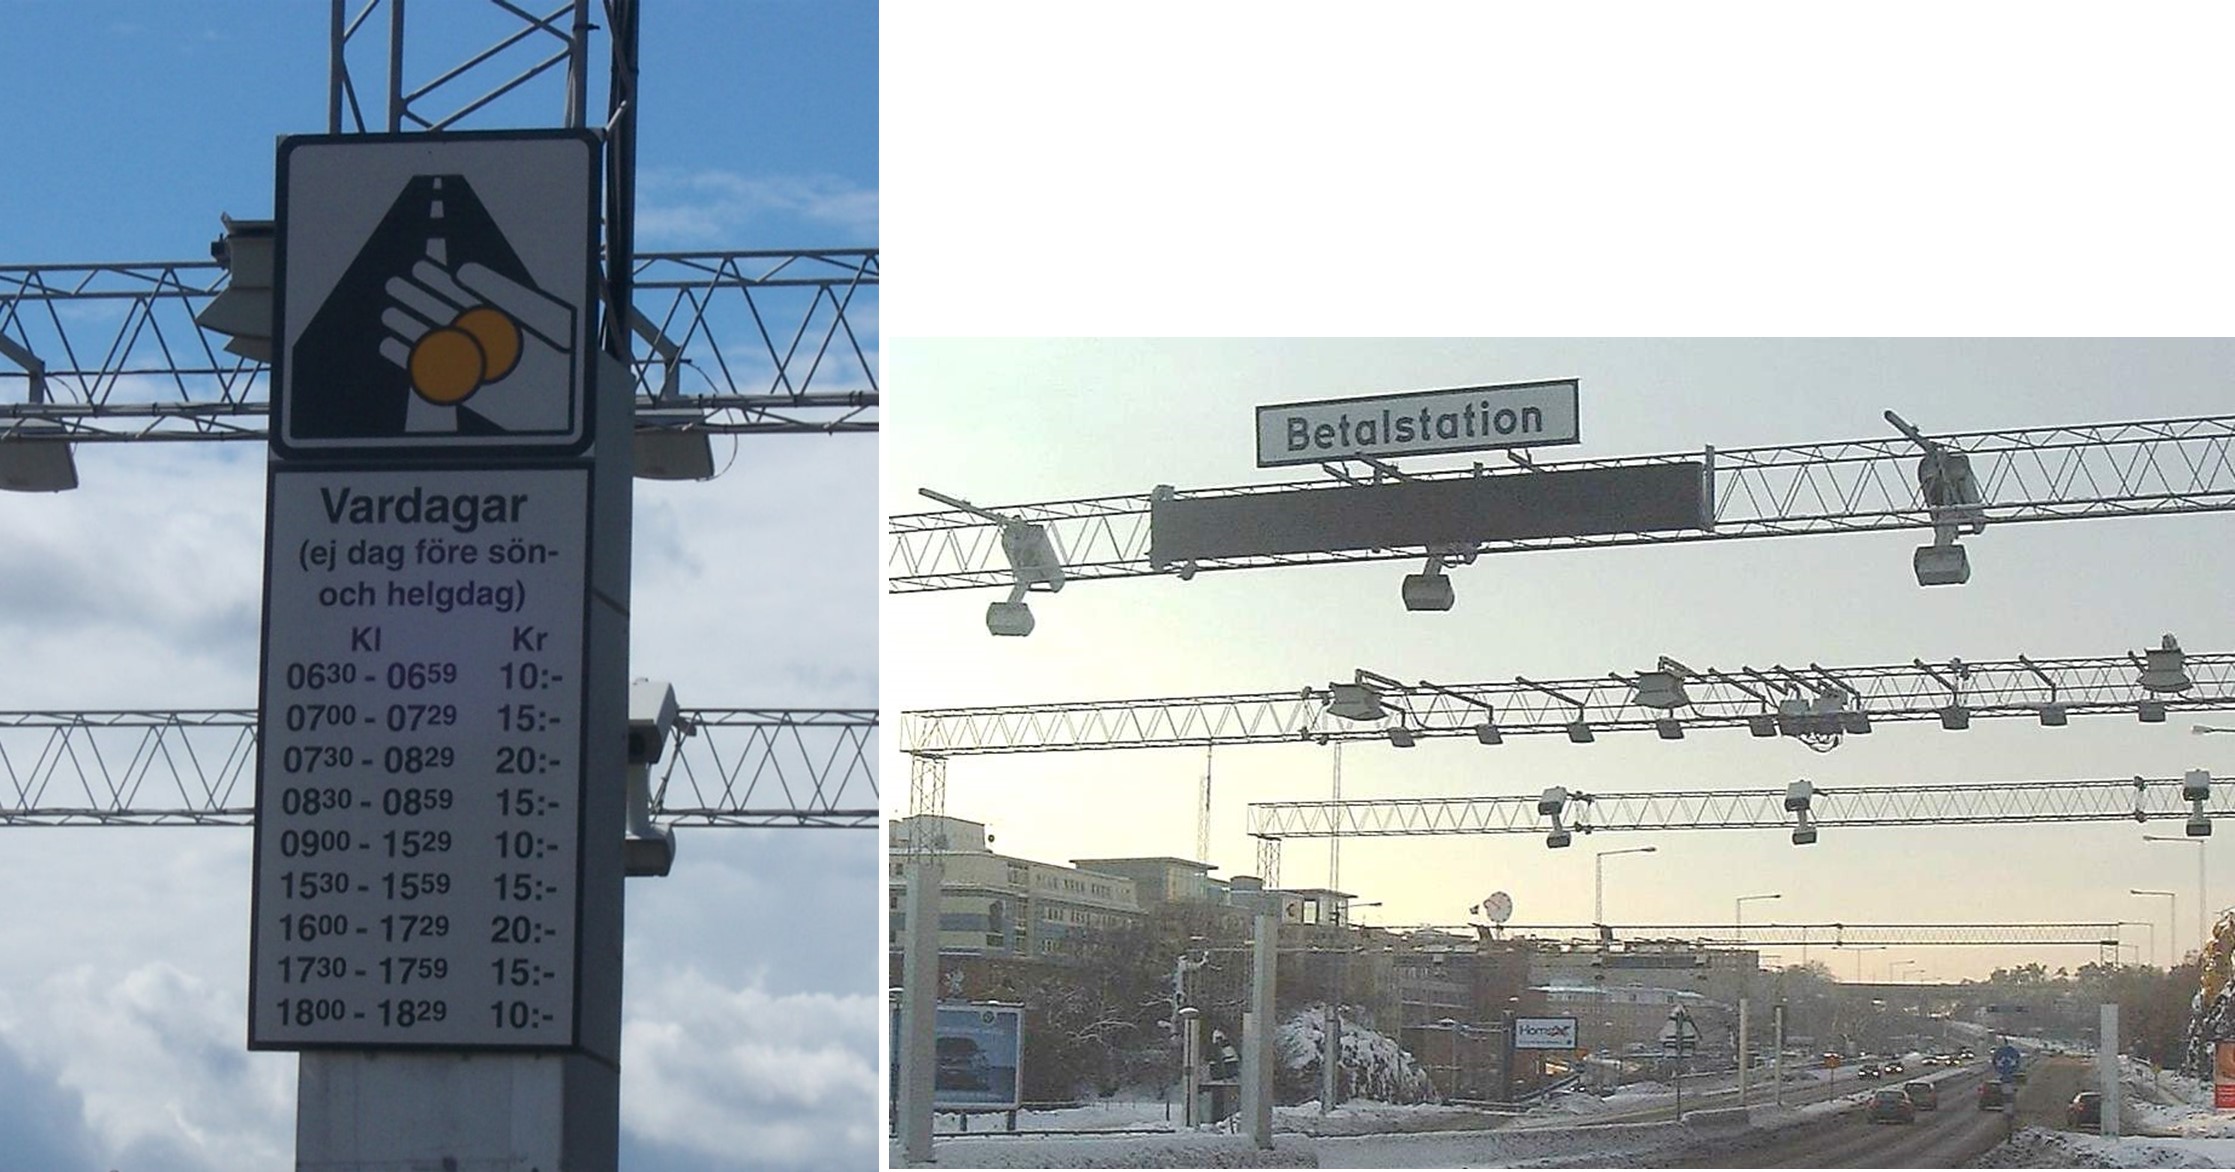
443	711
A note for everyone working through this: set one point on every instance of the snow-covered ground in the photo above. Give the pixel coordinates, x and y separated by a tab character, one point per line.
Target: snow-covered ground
2169	1118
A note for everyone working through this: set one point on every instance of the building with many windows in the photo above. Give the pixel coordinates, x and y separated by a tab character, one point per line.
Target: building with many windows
998	905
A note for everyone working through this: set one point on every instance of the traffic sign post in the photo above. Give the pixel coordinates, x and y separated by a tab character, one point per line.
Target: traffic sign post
1679	1038
442	748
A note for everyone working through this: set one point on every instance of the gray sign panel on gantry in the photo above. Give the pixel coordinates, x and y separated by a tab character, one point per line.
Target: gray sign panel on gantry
1419	513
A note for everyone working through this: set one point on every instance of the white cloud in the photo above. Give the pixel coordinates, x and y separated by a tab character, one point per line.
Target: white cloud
698	208
748	1078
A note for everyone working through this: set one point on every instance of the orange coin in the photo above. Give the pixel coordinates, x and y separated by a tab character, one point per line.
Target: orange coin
499	338
446	366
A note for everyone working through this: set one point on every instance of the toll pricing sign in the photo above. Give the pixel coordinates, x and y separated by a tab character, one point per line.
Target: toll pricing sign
419	776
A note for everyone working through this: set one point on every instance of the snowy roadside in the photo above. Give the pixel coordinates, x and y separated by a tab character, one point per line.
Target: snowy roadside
2179	1130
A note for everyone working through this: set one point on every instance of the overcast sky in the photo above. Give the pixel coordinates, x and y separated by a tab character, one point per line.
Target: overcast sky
1113	416
750	1035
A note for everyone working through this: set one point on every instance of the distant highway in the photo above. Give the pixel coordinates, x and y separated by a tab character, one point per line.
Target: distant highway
1946	1138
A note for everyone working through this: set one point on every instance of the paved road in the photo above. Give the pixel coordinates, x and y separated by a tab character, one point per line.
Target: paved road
1946	1138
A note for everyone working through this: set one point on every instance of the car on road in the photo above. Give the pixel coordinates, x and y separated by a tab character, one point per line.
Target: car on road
1895	1068
1925	1095
2085	1111
1868	1072
1892	1105
1991	1097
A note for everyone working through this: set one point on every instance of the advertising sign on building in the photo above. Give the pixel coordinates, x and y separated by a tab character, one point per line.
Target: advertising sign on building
980	1057
1544	1033
1419	423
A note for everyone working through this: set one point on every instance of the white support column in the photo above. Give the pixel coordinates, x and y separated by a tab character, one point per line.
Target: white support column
2107	1069
1259	1073
919	992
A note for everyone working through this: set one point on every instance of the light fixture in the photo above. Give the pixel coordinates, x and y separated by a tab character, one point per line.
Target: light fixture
1032	558
37	465
2150	711
1951	497
2053	715
1661	688
1941	565
1401	737
1855	723
34	457
672	445
1354	701
1579	731
1488	734
1804	830
1955	716
2196	789
243	312
2163	667
1762	724
1429	589
1669	728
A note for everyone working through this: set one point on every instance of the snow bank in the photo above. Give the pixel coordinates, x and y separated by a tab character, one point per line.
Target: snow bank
1140	1151
1374	1066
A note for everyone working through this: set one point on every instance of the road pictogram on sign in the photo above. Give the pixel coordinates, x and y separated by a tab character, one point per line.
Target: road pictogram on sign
434	300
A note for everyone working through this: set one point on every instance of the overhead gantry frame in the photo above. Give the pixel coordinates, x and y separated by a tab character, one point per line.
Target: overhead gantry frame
1812	703
729	767
2144	468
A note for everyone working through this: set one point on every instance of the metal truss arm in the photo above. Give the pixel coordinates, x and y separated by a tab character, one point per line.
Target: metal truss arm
2145	468
1767	702
2126	799
741	341
1826	935
731	767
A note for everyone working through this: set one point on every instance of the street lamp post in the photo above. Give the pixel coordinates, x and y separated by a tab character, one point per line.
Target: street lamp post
2172	916
1598	879
1738	923
2198	843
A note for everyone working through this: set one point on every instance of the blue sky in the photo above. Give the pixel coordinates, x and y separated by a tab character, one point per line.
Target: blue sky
750	1031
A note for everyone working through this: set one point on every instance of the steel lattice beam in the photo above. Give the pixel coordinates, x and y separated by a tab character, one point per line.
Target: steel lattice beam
763	341
2147	468
1751	698
2118	799
1814	935
734	767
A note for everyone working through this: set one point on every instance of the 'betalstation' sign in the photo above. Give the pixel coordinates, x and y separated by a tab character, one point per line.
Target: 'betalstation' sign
1419	423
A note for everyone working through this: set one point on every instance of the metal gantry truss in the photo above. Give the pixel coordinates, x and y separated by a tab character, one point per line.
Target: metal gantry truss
729	767
1761	700
755	341
2114	799
2146	468
1808	935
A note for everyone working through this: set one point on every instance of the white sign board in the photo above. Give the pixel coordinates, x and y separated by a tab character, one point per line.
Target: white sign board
420	777
436	294
1419	423
1544	1033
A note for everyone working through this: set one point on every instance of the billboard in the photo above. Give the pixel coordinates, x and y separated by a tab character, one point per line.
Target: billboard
1544	1033
979	1062
2223	1075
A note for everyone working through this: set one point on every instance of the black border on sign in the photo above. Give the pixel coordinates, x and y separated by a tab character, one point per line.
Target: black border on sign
587	328
273	471
1575	397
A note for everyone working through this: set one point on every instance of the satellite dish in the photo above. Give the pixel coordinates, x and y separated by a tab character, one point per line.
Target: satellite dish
1499	907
